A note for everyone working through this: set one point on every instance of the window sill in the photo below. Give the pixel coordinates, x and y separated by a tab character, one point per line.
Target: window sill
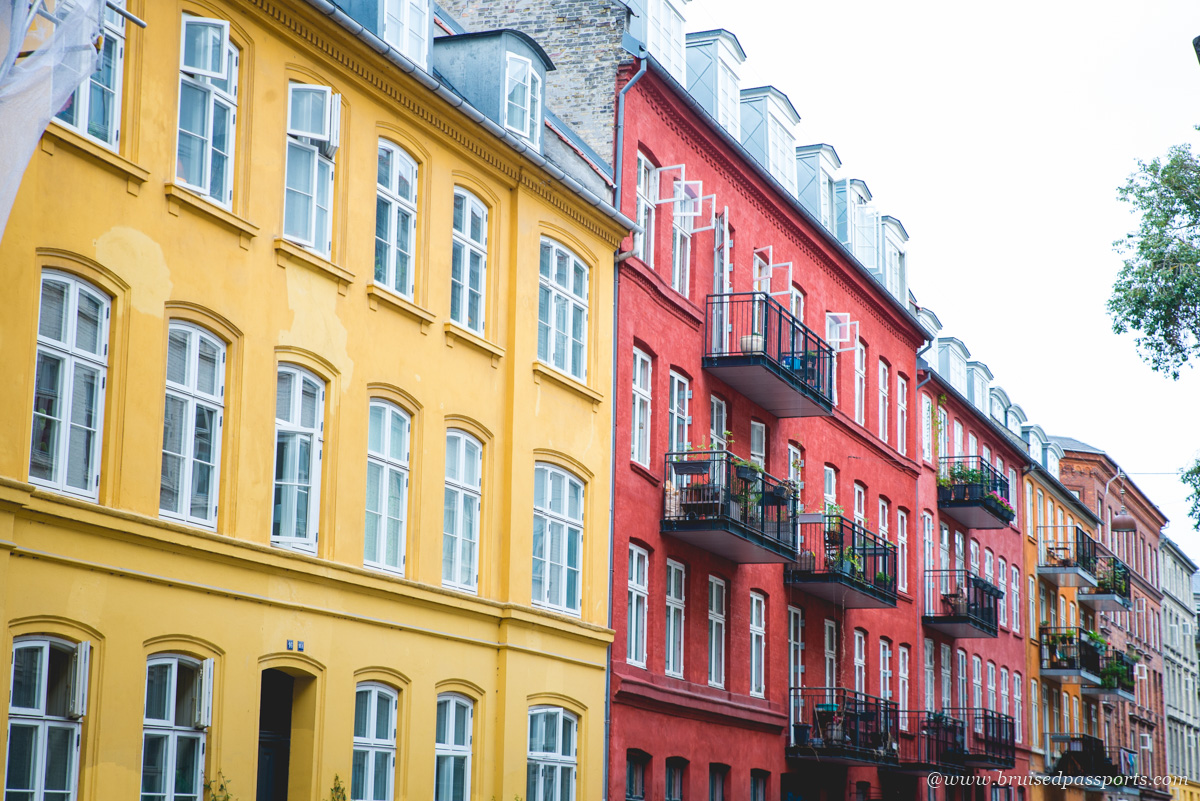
542	370
645	473
133	174
289	253
455	334
377	295
178	195
567	613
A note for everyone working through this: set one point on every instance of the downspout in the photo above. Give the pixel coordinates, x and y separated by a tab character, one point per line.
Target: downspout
917	490
618	259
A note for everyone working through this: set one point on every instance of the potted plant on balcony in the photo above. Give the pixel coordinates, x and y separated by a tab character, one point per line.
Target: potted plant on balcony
806	561
884	581
833	518
752	344
746	471
849	562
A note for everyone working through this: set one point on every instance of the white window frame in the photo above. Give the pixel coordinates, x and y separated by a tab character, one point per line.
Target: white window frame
404	25
830	652
638	597
113	30
930	675
188	396
679	418
758	443
465	246
795	656
676	619
522	117
860	661
830	490
396	219
884	401
647	194
64	349
1015	601
449	753
902	657
1018	711
553	764
1002	573
926	428
834	330
717	420
466	495
664	36
781	152
369	748
567	525
860	504
643	382
901	550
218	88
389	461
717	609
860	383
318	147
885	669
758	645
563	343
681	252
961	666
901	415
283	517
947	670
170	728
38	717
1003	691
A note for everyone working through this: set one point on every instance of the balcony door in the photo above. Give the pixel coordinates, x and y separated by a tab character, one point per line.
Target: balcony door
722	278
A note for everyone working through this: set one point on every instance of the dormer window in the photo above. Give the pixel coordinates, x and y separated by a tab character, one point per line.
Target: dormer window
828	194
728	99
958	372
665	37
405	27
781	153
523	98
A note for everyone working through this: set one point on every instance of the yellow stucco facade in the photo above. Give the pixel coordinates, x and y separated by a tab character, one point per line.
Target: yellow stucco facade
104	566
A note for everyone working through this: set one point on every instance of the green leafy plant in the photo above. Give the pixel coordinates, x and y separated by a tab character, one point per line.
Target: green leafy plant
338	791
218	788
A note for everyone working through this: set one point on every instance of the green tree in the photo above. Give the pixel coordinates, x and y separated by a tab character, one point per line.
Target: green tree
1157	292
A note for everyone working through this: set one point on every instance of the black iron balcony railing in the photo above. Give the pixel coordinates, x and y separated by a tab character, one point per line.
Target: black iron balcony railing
1071	655
729	507
1111	592
844	562
931	741
1117	676
974	493
755	345
1067	556
990	737
1079	755
839	725
961	604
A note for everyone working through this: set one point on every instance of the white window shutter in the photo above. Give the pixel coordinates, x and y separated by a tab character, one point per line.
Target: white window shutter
80	665
202	51
334	128
204	696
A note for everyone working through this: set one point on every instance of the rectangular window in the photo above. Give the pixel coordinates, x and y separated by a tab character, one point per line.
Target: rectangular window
676	577
716	782
902	687
563	310
395	219
860	504
374	757
1015	600
1035	733
452	748
781	153
716	632
758	443
830	644
902	550
664	36
647	189
299	435
884	383
902	414
557	539
638	596
885	669
716	423
830	489
758	645
834	335
758	785
1001	575
860	661
405	27
69	383
468	262
681	252
95	107
795	656
314	115
523	98
1018	712
946	679
460	517
860	383
729	111
1033	620
642	370
677	413
961	666
192	423
208	91
178	709
388	429
929	676
926	428
1004	691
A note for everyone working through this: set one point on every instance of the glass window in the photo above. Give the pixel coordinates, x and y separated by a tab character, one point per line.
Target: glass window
373	771
642	371
557	539
299	426
405	27
638	589
395	219
758	443
95	108
563	310
208	91
452	748
676	598
902	414
192	421
177	712
523	97
635	777
460	515
552	755
677	412
716	632
313	133
758	645
665	37
68	393
647	189
884	383
384	532
675	769
468	261
860	383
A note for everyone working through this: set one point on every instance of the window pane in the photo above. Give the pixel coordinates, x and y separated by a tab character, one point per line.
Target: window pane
158	683
308	405
52	321
283	396
22	756
462	723
87	323
177	350
383	762
154	764
85	392
441	735
207	358
186	679
371	534
47	414
383	717
308	110
193	133
358	775
27	678
362	711
203	46
187	756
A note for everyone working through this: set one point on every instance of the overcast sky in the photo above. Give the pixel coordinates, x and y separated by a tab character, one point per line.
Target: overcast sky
998	136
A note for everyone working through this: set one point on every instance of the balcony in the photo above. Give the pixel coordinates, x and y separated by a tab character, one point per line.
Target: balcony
757	347
972	492
1066	556
1111	592
1117	677
931	742
990	738
961	604
843	726
729	507
1070	655
1083	755
845	563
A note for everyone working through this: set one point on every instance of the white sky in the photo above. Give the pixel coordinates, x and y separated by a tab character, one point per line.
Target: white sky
999	136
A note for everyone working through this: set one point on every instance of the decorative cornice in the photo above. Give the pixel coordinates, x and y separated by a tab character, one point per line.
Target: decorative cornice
653	286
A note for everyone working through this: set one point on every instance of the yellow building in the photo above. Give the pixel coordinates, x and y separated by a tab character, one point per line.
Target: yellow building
313	478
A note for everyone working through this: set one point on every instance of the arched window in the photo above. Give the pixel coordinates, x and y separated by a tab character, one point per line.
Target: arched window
557	538
192	420
177	712
468	261
464	495
452	767
387	487
552	754
395	219
373	772
299	423
68	395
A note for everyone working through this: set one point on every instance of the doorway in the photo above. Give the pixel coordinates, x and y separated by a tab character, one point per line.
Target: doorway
274	734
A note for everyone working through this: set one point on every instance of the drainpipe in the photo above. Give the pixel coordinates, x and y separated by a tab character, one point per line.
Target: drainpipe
917	492
618	259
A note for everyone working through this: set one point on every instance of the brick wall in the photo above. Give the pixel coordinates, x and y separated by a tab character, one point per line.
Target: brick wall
582	38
